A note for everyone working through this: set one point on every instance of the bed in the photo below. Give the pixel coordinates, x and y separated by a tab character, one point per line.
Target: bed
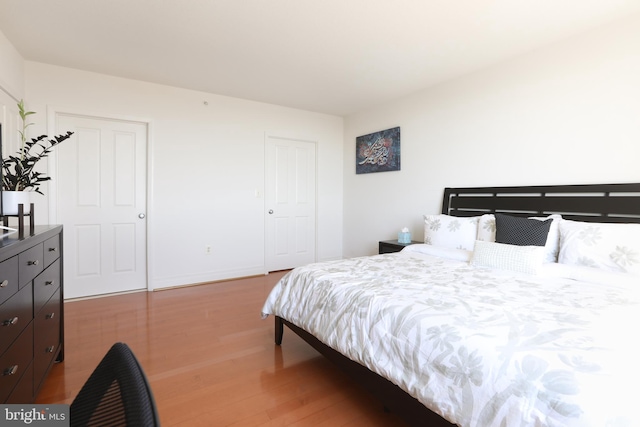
487	324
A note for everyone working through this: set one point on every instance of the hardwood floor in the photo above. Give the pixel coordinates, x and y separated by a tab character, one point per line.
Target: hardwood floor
211	360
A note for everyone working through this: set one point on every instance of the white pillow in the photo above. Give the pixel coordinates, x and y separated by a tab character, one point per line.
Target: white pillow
487	228
522	259
487	233
611	247
451	231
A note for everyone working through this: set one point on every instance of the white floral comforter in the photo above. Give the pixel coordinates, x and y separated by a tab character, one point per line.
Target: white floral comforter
477	346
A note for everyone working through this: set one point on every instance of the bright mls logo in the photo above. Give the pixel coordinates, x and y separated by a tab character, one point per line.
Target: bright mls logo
36	415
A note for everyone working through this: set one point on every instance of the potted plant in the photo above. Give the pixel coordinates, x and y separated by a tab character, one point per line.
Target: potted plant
19	176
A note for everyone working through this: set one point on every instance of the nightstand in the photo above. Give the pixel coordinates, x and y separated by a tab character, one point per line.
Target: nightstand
389	246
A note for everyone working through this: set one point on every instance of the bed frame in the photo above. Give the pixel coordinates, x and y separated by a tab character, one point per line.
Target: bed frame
595	203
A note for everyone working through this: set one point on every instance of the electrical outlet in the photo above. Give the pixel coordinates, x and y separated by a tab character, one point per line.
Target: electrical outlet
207	250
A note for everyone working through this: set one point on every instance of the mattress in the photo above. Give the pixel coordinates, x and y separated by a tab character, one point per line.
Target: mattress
478	346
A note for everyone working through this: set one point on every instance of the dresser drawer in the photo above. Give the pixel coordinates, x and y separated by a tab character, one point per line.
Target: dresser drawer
30	264
46	335
45	285
51	250
15	315
15	361
23	391
8	278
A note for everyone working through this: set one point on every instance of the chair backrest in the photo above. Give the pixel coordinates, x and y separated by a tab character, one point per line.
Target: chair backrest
116	394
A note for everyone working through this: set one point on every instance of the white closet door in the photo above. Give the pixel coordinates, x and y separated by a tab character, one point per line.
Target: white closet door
290	201
101	201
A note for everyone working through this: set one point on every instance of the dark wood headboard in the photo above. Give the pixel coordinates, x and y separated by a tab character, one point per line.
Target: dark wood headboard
590	202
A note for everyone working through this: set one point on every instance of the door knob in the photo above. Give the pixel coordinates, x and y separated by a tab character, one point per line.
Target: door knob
141	215
270	211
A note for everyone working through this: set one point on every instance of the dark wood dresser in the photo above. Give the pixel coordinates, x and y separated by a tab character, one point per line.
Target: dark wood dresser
31	311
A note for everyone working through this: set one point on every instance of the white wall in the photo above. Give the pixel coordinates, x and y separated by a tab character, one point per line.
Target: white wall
11	69
206	163
11	90
565	114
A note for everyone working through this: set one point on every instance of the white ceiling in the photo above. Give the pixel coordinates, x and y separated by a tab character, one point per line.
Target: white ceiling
330	56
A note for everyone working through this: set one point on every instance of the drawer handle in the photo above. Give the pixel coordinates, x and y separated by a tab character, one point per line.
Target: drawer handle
36	262
11	370
4	283
48	283
50	349
53	249
50	316
10	322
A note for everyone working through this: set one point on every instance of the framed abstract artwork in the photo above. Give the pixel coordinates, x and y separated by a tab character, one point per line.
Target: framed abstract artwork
378	151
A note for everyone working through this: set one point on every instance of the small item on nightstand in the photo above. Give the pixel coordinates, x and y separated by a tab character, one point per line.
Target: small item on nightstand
404	236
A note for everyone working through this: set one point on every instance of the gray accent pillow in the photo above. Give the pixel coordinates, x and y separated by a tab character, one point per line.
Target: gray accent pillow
521	231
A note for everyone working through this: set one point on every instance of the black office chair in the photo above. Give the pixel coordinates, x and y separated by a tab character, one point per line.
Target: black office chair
116	394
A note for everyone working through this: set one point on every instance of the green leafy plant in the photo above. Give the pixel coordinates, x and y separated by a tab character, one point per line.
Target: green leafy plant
18	172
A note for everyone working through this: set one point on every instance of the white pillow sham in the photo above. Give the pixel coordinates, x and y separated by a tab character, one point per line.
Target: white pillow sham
487	228
521	259
450	231
487	233
611	247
